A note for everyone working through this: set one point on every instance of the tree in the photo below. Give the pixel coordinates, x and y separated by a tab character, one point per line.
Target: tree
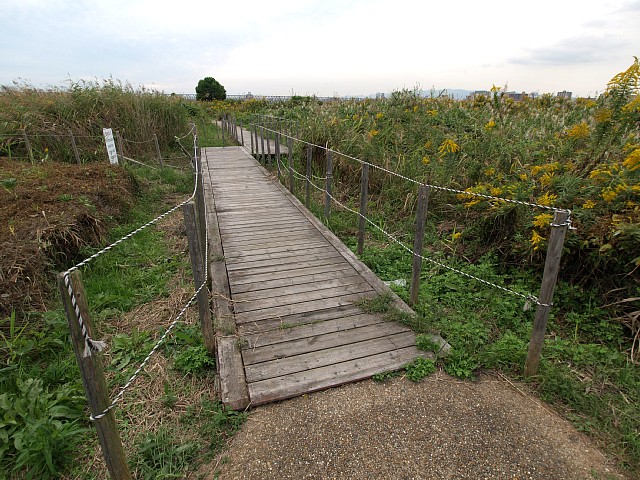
210	89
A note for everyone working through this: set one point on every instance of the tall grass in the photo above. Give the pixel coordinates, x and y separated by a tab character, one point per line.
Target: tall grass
50	117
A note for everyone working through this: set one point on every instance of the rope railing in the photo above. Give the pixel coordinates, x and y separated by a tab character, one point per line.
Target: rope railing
95	384
417	182
560	224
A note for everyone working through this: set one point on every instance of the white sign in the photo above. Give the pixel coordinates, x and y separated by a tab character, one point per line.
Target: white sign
111	146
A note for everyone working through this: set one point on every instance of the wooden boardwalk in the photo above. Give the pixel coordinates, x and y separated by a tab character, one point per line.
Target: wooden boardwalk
291	291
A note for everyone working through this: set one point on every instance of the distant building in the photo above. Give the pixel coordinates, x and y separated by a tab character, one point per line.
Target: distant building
379	95
564	94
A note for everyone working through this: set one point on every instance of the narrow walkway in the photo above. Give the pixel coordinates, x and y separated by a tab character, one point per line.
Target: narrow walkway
293	285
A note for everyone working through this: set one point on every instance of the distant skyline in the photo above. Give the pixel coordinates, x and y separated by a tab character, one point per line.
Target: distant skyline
321	47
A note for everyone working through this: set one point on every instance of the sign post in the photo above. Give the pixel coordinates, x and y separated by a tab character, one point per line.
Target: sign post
111	146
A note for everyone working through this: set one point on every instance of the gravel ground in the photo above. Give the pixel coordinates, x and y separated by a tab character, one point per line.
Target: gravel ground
436	429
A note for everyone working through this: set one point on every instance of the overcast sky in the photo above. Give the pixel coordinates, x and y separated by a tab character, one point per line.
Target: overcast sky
322	47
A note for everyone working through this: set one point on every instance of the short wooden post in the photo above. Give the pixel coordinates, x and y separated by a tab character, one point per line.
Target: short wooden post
95	385
277	146
155	140
255	133
559	229
119	146
364	195
241	134
199	198
269	159
418	241
198	266
327	199
28	144
290	158
74	146
222	124
307	193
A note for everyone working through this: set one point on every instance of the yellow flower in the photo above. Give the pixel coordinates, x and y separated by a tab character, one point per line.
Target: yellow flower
609	194
472	203
579	131
489	125
427	144
543	220
589	204
425	160
433	113
379	115
489	171
415	108
523	176
547	199
456	235
495	191
373	133
545	179
536	170
603	115
536	240
448	146
632	162
600	174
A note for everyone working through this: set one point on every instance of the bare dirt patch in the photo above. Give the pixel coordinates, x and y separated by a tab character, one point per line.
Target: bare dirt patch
48	212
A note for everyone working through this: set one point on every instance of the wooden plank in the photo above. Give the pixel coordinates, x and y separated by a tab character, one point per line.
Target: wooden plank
294	237
280	388
328	356
269	248
283	335
301	287
294	321
269	284
301	297
284	262
296	347
256	257
286	267
233	386
304	307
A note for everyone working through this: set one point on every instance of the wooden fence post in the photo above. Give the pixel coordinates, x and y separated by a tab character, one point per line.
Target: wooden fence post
277	146
28	144
198	266
364	195
559	229
269	159
307	193
95	385
416	269
262	157
241	134
327	199
74	146
155	139
199	198
222	125
290	158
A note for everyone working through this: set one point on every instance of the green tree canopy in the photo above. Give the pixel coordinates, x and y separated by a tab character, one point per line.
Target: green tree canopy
210	89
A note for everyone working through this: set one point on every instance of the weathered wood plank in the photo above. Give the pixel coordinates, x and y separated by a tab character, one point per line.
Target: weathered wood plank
233	385
310	252
325	342
284	262
270	291
296	320
293	332
319	293
233	252
281	311
243	280
288	386
329	356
